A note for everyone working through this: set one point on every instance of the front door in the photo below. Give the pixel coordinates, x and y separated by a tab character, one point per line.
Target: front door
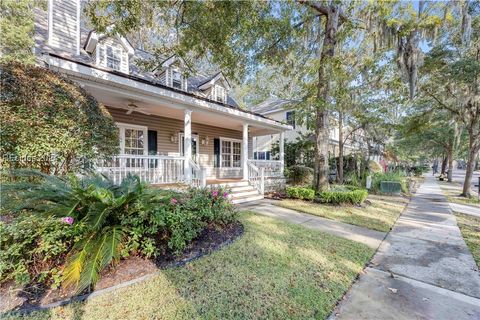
195	149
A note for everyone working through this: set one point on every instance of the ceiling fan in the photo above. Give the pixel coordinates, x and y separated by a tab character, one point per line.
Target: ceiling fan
133	107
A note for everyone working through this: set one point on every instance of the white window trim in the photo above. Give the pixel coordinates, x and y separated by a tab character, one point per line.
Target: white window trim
231	155
122	126
182	78
223	98
180	137
122	55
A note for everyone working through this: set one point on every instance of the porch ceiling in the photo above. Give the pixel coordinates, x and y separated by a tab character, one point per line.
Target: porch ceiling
118	98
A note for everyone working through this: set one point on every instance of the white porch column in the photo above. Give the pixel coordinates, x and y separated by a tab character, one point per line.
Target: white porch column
187	133
282	151
245	151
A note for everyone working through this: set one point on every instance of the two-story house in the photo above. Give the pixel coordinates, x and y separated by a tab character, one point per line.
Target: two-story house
173	128
284	111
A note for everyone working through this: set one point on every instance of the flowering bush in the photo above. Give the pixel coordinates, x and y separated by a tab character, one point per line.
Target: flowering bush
86	223
33	247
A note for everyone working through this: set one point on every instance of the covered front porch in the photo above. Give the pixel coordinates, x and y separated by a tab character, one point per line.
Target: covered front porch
163	143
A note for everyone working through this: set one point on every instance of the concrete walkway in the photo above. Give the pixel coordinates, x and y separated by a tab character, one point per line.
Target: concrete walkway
465	209
366	236
422	270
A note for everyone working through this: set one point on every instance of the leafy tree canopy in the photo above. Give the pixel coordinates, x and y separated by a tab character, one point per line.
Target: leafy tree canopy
16	30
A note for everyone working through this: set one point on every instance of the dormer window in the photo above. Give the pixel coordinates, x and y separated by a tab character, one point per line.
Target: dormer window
110	52
177	79
220	94
110	57
114	58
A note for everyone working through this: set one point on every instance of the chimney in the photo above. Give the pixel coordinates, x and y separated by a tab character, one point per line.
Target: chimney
64	25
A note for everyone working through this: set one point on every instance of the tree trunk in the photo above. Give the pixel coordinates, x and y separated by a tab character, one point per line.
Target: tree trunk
474	147
450	163
323	98
340	147
444	165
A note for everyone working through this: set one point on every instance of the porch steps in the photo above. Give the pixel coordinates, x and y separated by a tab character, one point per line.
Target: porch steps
240	191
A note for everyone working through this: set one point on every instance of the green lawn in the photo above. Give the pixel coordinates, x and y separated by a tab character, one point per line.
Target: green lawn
451	190
276	270
470	228
380	215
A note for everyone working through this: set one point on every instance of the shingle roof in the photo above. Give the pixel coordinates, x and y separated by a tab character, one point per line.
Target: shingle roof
41	46
271	104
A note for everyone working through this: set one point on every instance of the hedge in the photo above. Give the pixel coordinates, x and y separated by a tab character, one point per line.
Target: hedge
341	197
300	193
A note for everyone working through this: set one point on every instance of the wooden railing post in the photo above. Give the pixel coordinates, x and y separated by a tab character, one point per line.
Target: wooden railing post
262	181
203	177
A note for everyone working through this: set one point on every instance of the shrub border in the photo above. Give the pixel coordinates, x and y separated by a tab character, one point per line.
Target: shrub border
96	293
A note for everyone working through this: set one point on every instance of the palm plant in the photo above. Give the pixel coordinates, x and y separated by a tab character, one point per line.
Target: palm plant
92	200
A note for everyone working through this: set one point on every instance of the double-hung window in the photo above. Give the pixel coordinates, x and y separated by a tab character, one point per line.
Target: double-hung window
176	79
114	57
231	151
220	94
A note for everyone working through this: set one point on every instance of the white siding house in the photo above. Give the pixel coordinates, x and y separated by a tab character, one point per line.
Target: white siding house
173	128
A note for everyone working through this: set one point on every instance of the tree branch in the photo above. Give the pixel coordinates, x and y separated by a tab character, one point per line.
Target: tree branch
323	10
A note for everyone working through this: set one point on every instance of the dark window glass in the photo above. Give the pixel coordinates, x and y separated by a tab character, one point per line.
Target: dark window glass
291	118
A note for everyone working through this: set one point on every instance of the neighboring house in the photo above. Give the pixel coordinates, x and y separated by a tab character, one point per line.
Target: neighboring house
284	111
172	128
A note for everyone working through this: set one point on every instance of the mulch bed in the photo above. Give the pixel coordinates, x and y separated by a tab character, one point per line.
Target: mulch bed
210	239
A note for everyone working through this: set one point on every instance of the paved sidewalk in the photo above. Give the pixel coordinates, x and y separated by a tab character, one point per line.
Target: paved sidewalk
423	269
465	209
366	236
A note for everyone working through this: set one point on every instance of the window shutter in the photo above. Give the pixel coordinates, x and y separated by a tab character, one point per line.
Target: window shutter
216	152
152	142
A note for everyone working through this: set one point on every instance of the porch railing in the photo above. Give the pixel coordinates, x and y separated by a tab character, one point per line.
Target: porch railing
256	177
272	168
198	175
151	169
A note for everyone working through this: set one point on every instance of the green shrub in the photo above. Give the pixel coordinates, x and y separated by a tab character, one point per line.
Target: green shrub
101	223
419	170
300	193
38	104
343	197
300	175
32	248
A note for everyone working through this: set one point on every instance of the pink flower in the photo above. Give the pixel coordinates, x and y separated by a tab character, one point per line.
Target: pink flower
225	194
173	201
67	220
214	193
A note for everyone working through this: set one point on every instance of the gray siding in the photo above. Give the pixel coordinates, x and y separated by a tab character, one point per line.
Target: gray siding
166	127
64	23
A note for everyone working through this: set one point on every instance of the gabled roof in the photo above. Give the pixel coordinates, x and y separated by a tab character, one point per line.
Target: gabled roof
272	105
86	35
93	38
171	60
212	80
